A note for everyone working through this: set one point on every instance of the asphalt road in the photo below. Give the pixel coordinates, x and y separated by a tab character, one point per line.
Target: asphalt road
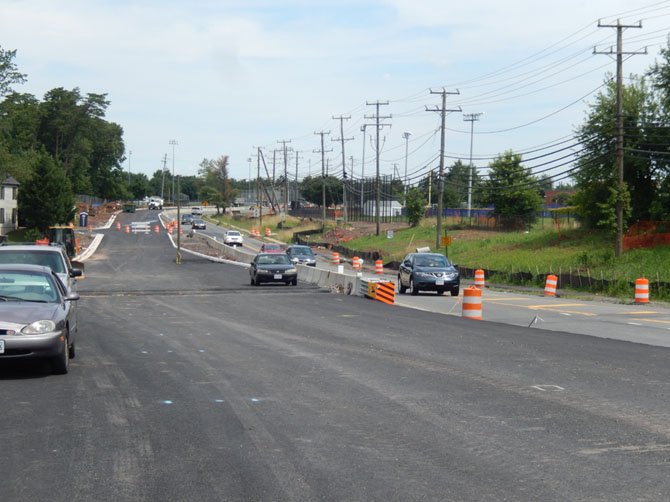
190	384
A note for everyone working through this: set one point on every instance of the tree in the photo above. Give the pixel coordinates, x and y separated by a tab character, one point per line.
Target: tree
646	165
311	189
215	173
46	198
414	205
9	73
512	190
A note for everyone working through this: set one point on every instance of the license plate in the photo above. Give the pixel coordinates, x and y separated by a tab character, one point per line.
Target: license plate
439	282
2	346
278	276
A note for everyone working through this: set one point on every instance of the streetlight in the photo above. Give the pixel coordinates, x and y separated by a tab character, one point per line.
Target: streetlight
173	142
472	118
406	135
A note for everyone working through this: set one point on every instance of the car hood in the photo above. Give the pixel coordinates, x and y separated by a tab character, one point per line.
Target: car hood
278	266
26	312
436	270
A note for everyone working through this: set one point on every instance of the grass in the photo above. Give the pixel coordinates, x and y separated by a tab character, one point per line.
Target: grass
284	234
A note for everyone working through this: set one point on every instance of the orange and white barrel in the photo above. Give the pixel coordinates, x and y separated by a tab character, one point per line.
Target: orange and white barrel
550	285
379	267
641	290
127	229
336	258
118	225
355	262
479	278
156	229
268	232
472	303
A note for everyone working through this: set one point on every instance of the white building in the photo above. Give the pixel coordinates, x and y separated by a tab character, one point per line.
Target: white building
8	206
386	208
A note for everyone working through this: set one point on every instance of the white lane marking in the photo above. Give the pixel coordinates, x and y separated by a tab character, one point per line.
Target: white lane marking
545	388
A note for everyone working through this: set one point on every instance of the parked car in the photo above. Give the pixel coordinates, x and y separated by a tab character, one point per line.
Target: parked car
186	219
272	267
198	224
196	210
428	272
271	247
233	238
36	315
301	254
53	256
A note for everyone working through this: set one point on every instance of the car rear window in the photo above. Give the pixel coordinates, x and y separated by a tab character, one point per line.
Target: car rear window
53	260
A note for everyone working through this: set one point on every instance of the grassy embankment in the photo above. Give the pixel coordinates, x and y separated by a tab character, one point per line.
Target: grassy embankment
539	252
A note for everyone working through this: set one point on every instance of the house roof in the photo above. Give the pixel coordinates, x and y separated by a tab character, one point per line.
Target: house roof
11	181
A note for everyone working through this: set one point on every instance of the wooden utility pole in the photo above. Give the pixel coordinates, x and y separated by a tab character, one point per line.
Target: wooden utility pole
284	141
323	178
378	125
618	245
342	139
440	180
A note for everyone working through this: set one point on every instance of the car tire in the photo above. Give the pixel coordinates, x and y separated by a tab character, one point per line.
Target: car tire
60	364
294	282
455	291
71	352
401	288
412	287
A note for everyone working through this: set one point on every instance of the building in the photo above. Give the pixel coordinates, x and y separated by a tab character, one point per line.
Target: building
8	206
387	208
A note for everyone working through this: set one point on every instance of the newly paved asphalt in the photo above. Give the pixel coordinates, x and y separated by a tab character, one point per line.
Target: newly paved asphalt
190	384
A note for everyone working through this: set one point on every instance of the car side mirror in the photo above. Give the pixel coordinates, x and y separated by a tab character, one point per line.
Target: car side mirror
77	265
72	297
294	260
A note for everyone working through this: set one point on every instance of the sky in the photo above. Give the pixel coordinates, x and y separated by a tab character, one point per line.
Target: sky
226	77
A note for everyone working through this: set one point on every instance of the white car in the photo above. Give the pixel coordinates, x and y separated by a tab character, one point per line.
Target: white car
233	238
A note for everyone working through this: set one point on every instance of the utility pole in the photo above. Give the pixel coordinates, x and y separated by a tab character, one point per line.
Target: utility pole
440	181
618	246
163	180
363	165
248	197
296	195
406	135
378	126
342	139
472	118
323	178
259	194
283	142
130	154
173	142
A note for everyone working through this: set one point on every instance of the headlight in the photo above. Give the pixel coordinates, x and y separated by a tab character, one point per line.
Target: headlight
292	271
39	327
423	274
451	276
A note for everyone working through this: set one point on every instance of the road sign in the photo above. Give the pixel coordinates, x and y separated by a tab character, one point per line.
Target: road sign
446	240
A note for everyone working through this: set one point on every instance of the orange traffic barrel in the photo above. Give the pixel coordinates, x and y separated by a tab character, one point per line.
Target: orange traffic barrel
268	232
550	285
118	225
127	229
336	258
356	263
479	278
641	290
472	303
156	229
379	267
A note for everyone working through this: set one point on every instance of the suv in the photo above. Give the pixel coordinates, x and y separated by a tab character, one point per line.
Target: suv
301	254
196	210
428	272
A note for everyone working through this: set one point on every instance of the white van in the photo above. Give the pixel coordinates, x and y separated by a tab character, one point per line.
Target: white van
196	210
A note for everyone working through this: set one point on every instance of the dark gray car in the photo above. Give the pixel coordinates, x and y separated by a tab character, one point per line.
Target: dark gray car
428	272
272	267
301	254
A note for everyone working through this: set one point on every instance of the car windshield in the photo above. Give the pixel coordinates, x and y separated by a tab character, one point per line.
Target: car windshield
278	259
233	233
302	251
27	286
272	247
51	259
436	261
